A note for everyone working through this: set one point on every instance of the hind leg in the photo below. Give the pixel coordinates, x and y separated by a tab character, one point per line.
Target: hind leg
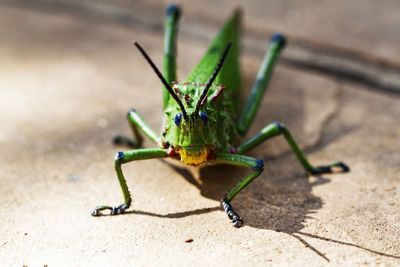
264	75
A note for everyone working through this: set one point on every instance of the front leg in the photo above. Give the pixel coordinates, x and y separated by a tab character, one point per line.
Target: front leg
276	129
256	165
121	158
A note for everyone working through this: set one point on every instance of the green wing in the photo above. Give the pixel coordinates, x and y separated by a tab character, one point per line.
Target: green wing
230	73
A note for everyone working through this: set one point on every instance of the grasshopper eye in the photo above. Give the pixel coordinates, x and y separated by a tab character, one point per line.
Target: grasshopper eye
203	117
178	119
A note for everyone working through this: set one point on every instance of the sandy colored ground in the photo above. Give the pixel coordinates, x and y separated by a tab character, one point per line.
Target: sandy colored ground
66	83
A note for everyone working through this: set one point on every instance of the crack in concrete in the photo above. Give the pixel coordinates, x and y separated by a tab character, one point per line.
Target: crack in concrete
343	243
321	141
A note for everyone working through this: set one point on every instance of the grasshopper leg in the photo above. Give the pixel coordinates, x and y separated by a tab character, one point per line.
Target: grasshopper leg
121	158
169	62
136	123
278	128
257	167
259	87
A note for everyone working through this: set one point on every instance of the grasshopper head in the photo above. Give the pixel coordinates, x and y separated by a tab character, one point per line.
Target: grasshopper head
192	139
188	130
191	134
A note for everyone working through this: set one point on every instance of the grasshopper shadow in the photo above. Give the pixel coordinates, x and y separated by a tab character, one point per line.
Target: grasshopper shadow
279	200
273	201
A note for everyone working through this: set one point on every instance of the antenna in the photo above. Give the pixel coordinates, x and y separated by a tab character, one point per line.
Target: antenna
212	78
161	77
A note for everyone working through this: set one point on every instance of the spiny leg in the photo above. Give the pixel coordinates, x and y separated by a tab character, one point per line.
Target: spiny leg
171	31
136	122
277	128
264	74
256	165
121	158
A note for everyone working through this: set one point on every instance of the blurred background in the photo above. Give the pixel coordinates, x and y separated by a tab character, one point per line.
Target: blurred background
69	73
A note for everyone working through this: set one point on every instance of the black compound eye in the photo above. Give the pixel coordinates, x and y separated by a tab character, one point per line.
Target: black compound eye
203	116
178	119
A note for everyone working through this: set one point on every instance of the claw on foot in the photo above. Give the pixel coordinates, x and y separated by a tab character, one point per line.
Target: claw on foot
113	210
96	212
237	222
337	167
341	167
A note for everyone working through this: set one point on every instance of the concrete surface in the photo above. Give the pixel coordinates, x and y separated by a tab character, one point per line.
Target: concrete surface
66	82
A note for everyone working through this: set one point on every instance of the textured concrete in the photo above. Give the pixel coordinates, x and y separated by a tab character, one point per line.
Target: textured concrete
65	85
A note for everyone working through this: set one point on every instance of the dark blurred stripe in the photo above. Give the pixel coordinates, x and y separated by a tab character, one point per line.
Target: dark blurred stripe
309	55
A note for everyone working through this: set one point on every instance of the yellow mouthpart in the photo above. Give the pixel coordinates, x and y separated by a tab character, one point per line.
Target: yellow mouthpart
194	159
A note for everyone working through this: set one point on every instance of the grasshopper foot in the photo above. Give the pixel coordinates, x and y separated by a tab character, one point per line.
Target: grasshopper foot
233	216
120	140
113	210
336	167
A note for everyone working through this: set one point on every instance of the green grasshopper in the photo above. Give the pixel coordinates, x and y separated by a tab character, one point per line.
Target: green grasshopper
202	122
